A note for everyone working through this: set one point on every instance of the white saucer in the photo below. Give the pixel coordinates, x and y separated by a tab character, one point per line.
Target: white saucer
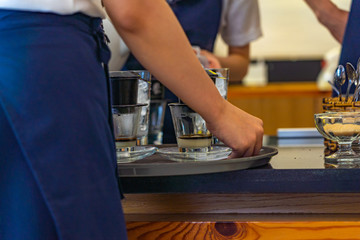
215	153
138	153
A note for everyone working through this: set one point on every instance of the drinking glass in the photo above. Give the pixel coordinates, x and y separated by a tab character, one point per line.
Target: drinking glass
220	77
126	122
343	128
156	121
191	132
144	95
133	87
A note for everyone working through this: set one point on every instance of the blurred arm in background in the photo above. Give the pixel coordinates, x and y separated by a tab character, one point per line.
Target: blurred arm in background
329	15
239	26
237	61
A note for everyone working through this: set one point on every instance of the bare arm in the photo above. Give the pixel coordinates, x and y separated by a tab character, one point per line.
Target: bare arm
152	32
328	14
238	61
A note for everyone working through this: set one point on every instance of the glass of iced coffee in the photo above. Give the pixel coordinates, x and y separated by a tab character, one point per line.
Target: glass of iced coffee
133	87
126	120
191	132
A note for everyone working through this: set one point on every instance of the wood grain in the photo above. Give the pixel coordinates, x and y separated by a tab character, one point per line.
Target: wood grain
242	216
329	203
243	230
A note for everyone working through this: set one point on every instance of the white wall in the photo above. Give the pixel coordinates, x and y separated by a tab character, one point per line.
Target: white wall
290	30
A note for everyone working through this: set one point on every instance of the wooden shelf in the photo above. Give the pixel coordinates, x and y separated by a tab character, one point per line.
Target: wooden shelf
280	105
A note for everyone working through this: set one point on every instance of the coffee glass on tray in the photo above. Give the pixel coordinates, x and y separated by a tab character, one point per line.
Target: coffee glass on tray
190	129
126	120
156	121
133	87
220	77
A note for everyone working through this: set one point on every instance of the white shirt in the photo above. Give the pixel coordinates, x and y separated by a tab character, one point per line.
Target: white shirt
240	25
92	8
240	22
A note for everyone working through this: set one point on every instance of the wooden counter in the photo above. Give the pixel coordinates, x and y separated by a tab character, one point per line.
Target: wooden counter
293	197
280	105
243	216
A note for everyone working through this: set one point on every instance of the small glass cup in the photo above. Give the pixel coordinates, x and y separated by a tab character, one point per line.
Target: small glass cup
126	119
133	87
334	104
124	85
220	77
156	121
343	128
157	89
191	132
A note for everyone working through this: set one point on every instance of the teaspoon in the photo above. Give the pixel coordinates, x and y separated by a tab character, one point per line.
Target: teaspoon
357	81
333	87
351	73
340	78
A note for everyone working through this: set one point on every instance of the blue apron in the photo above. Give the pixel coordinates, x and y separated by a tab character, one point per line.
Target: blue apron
351	44
57	159
200	20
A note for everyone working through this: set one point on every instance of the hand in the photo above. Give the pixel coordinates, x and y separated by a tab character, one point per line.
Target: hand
239	130
212	59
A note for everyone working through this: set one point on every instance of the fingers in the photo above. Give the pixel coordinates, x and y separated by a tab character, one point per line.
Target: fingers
246	152
257	148
251	143
259	142
242	132
235	154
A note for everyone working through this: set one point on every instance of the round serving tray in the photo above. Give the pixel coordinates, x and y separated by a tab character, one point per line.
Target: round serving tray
157	165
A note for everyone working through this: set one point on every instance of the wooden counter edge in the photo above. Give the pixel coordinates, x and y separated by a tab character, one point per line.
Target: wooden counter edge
242	216
286	203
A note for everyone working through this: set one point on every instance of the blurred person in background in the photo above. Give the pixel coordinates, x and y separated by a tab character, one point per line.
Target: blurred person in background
344	27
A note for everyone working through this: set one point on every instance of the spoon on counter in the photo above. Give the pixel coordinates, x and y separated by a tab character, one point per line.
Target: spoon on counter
340	78
358	67
357	81
351	74
356	92
332	84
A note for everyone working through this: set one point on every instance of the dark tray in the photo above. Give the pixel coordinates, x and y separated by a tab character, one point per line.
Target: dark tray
157	165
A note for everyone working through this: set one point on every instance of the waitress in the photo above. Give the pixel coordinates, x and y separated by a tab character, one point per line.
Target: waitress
350	43
58	176
344	27
238	22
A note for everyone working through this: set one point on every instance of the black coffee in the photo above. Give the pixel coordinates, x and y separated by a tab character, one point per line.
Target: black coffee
124	90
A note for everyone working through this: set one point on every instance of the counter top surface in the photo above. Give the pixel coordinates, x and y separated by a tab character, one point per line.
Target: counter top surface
292	170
